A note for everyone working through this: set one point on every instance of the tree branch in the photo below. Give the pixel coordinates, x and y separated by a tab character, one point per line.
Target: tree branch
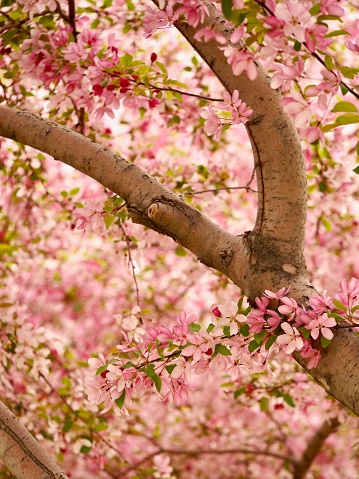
21	453
148	202
302	465
276	244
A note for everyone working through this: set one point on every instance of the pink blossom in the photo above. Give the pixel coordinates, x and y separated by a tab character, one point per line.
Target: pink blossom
292	339
298	108
331	7
155	19
325	89
279	294
296	17
212	125
320	302
162	466
315	37
274	320
349	290
321	325
237	34
207	34
311	134
308	352
76	52
286	74
289	307
352	46
256	321
241	61
91	216
194	11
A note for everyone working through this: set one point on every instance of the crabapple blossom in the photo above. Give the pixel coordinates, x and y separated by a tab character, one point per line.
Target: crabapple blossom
291	339
322	325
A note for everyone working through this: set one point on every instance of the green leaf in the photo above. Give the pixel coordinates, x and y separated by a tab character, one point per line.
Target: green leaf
175	120
357	148
221	349
74	191
227	331
337	317
180	251
339	305
297	46
323	18
107	4
108	220
161	67
325	342
270	341
126	60
227	6
263	404
252	346
158	382
304	332
170	368
238	392
68	425
315	9
328	127
327	224
328	60
356	169
194	327
260	336
210	327
344	106
85	449
101	369
150	371
288	399
336	33
347	119
121	399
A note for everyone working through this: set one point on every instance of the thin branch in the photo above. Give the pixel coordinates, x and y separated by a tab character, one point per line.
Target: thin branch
314	54
213	190
302	465
255	452
128	243
202	97
70	408
204	452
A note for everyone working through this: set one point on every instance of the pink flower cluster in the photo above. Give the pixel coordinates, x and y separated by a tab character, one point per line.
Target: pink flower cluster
239	338
239	111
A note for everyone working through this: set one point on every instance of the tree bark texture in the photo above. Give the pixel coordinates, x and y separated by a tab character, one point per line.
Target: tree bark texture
22	454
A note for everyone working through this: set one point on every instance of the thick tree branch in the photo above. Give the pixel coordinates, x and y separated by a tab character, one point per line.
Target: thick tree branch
148	202
314	446
21	453
277	242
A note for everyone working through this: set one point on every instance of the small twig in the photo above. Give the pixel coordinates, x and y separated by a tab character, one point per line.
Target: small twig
95	433
128	242
72	16
191	193
154	87
314	54
199	452
202	97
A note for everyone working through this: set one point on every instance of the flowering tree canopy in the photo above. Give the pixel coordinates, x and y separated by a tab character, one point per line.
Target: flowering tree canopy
178	238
